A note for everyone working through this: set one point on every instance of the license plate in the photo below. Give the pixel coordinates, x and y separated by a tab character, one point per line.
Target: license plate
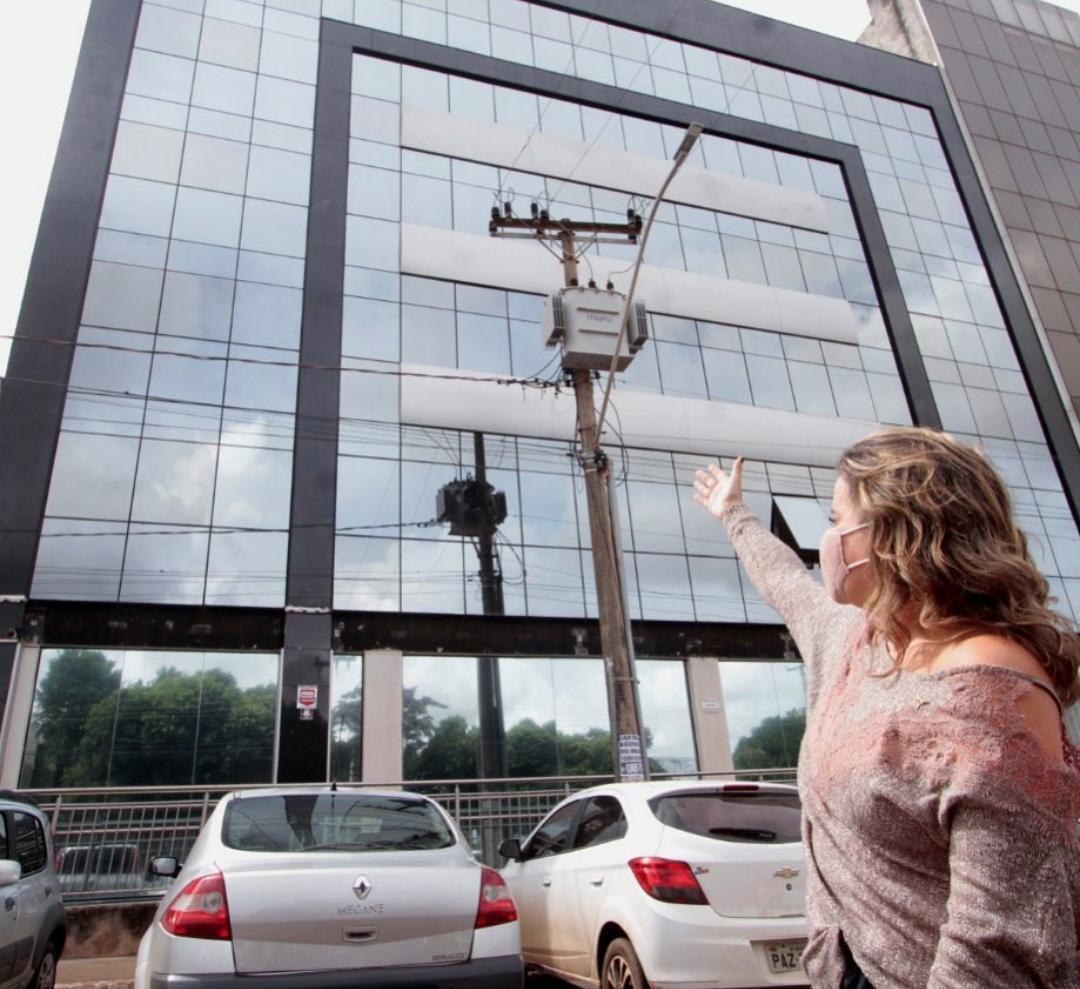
784	956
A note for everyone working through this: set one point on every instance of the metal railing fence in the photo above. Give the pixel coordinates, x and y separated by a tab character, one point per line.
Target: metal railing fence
104	839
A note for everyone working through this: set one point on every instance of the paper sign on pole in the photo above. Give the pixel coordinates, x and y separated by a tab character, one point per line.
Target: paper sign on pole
631	759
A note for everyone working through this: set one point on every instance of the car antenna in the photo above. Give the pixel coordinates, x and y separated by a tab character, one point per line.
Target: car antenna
333	787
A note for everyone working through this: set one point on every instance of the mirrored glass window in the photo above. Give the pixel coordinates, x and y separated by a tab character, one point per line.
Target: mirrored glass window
247	567
196	306
665	713
346	718
556	717
122	297
120	717
267	315
165	563
367	573
92	476
79	561
138	206
440	717
765	725
175	482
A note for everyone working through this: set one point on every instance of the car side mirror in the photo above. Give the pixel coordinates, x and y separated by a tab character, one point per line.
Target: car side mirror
510	848
10	872
165	866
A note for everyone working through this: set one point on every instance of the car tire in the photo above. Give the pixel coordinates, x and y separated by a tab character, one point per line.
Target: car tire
45	975
622	970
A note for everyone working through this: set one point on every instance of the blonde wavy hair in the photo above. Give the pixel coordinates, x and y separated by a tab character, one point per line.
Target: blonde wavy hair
946	544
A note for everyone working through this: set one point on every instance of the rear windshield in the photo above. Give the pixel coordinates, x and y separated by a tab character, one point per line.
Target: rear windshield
759	816
333	822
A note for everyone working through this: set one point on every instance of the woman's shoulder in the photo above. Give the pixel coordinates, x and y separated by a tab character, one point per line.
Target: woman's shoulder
988	649
1009	686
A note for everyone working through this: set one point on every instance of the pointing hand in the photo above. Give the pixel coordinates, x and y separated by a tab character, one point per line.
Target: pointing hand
715	490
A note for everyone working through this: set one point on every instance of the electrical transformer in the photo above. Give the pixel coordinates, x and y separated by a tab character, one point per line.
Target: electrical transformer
585	323
470	507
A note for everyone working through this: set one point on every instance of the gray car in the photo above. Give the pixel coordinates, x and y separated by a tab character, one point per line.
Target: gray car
32	924
324	888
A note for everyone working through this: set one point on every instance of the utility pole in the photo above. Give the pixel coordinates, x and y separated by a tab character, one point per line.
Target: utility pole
492	724
475	510
628	745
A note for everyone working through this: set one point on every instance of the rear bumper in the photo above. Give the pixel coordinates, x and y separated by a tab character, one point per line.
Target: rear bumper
481	973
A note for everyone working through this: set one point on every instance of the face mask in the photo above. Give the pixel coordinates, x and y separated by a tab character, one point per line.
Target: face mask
833	567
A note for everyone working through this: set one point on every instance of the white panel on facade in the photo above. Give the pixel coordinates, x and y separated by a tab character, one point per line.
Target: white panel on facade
660	422
527	267
458	136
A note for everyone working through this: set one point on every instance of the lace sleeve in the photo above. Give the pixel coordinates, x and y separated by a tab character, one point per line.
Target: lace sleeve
1009	814
1011	913
820	626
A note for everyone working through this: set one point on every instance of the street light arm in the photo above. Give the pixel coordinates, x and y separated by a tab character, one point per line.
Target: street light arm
681	154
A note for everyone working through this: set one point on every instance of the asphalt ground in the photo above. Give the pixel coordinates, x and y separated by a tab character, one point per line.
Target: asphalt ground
117	973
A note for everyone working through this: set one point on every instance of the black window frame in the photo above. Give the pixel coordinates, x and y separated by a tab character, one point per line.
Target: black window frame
575	847
14	841
578	803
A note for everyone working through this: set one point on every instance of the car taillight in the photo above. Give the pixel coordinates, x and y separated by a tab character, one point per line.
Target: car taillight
496	903
671	882
200	910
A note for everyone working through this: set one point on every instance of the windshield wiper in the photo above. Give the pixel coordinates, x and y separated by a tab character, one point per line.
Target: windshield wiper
744	834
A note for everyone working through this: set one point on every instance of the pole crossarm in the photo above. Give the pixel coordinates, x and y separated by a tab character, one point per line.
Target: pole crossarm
541	225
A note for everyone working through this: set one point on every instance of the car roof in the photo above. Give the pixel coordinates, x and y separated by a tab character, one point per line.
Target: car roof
322	790
654	788
11	797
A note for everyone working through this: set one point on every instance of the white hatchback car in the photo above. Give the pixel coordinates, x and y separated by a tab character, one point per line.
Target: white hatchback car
695	885
327	888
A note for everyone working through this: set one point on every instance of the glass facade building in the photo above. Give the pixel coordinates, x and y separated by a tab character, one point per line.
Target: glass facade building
266	325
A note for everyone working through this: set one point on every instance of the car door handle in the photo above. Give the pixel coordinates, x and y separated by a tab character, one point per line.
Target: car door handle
546	881
596	881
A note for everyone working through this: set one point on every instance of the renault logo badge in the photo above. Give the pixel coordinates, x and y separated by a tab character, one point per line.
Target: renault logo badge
361	888
786	873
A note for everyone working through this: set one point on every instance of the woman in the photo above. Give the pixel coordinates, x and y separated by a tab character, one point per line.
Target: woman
940	794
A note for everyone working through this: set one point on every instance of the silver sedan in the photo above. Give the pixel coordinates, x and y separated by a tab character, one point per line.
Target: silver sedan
298	888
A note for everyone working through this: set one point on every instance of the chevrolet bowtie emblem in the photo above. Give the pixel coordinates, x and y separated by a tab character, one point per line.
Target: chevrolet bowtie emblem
786	873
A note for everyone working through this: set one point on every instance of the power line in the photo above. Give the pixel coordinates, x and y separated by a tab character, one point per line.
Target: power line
300	365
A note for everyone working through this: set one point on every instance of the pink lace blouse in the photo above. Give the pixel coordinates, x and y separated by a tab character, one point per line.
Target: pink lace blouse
939	837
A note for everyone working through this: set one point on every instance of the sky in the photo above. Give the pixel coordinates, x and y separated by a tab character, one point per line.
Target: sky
38	50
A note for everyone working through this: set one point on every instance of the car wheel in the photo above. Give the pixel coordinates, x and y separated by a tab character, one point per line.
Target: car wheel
622	970
45	976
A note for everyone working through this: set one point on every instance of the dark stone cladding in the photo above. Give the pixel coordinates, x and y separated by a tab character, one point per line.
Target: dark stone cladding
512	636
310	581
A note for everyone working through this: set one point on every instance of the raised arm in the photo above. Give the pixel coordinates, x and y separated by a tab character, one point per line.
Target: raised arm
819	626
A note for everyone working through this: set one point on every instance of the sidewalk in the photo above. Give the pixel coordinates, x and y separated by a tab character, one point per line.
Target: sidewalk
96	973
